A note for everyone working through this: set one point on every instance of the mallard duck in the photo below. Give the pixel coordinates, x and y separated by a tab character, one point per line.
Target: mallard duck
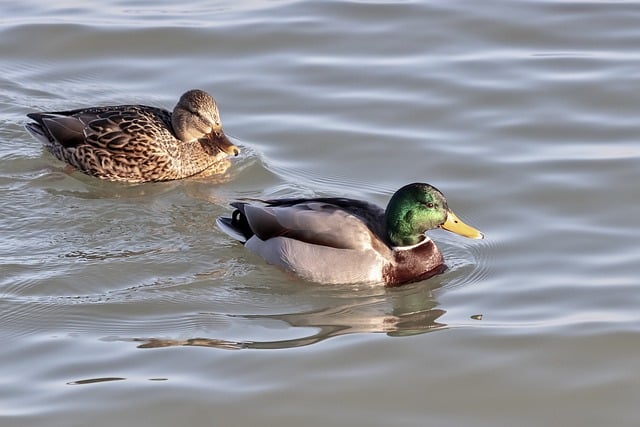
137	143
339	240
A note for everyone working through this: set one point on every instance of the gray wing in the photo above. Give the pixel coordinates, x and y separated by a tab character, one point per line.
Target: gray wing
312	222
50	127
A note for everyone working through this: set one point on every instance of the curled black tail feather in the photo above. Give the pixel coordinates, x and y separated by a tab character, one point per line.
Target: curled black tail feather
240	223
237	226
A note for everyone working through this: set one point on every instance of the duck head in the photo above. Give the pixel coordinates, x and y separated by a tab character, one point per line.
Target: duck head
196	117
417	208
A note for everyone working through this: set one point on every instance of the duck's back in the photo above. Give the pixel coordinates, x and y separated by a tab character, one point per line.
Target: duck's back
100	127
132	143
369	214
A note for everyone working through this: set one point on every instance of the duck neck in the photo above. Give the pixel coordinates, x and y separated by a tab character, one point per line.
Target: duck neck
195	156
401	230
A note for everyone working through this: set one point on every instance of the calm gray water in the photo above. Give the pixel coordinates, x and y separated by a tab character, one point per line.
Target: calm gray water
125	305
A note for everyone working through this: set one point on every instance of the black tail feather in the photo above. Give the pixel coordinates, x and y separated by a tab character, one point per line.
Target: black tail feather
237	226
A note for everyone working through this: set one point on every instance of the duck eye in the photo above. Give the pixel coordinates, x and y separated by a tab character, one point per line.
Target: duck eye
429	205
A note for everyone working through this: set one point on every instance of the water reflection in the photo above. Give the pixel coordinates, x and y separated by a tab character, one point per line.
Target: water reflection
95	380
106	379
394	312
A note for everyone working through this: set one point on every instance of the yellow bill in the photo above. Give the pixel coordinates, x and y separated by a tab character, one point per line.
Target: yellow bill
455	225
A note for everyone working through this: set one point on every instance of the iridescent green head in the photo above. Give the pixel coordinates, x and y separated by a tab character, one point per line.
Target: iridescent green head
418	207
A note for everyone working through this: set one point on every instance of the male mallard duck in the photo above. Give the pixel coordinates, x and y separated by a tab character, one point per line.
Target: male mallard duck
339	240
137	143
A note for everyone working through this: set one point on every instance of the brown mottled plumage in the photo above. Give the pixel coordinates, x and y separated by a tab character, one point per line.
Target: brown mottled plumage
137	143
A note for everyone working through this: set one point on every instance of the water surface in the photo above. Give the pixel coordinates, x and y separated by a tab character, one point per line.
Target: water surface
124	304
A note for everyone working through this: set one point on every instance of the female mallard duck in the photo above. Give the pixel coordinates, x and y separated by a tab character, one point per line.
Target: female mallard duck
137	143
338	240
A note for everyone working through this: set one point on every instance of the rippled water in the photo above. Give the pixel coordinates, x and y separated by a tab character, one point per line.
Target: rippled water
124	304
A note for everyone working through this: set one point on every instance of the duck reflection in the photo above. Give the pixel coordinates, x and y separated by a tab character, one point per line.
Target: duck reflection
393	312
